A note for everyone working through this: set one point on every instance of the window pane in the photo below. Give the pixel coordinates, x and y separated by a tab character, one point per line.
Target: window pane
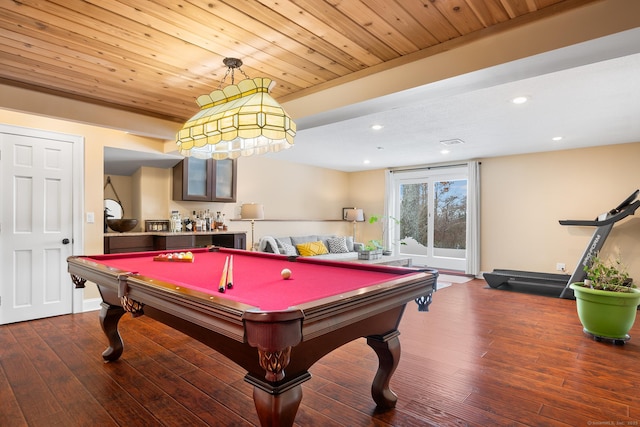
224	178
450	216
414	219
197	177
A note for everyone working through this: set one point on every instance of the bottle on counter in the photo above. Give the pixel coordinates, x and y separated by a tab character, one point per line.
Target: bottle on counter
197	221
218	221
207	220
176	222
188	224
194	221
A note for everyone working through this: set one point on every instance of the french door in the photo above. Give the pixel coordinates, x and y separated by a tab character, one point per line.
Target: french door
428	212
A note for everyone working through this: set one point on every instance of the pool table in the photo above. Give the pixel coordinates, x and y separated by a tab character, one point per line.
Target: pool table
275	328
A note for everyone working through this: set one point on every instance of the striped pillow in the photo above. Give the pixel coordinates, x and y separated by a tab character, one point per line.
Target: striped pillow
312	248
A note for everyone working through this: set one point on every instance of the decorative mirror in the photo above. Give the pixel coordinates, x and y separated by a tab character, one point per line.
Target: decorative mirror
113	209
114	214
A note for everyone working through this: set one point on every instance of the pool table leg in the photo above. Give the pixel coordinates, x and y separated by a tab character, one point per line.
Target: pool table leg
277	406
109	317
387	347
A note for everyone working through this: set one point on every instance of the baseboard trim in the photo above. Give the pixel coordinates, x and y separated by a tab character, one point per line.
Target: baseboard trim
91	304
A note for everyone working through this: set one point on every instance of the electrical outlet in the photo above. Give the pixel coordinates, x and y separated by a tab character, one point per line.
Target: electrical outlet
560	266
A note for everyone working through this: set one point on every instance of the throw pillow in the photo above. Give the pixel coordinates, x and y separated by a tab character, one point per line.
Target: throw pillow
288	249
350	245
338	245
312	248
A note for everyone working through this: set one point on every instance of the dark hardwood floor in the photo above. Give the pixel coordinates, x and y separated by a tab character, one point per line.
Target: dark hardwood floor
480	357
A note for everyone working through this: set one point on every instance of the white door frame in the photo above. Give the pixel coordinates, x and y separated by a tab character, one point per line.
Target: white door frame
77	241
426	174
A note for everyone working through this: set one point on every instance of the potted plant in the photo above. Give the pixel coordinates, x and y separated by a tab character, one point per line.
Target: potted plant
372	250
381	244
607	300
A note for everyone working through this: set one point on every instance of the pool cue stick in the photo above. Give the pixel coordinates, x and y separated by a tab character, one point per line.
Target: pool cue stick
230	274
223	280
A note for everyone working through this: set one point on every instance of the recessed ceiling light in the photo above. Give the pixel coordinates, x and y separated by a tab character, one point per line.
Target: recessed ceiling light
366	162
454	141
377	127
520	99
557	138
444	151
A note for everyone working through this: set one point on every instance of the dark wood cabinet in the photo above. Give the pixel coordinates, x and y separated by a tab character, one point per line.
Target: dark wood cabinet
118	243
182	241
235	240
205	180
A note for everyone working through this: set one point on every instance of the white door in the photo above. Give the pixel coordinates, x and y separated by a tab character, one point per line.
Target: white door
36	220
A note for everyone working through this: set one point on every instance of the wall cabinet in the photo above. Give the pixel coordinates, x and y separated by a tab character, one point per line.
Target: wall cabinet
205	180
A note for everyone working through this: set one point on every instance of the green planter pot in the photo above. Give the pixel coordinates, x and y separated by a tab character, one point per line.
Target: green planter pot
604	314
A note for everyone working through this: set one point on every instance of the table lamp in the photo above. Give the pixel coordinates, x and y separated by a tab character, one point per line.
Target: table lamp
252	211
354	215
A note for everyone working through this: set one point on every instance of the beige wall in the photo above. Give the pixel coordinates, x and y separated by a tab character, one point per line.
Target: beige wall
154	193
297	199
95	139
366	191
523	197
121	188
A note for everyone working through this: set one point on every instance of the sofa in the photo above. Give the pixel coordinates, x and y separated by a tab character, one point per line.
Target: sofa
332	247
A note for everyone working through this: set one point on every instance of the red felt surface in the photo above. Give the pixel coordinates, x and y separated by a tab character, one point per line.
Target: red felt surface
256	280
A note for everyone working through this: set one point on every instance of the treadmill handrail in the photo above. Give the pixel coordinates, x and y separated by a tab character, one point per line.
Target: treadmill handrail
626	202
625	212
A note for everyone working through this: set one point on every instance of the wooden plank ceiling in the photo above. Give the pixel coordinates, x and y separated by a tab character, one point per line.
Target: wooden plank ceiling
156	56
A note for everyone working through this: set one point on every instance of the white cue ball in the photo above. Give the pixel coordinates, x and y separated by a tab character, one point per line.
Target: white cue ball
285	273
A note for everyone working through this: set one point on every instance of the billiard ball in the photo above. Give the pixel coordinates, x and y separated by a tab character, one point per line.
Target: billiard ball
285	273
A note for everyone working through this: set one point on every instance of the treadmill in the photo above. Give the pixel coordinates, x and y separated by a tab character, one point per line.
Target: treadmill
558	284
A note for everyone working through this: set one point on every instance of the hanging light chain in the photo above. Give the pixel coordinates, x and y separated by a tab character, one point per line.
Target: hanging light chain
232	64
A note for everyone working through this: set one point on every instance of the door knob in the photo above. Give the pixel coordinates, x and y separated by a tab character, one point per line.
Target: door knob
65	241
